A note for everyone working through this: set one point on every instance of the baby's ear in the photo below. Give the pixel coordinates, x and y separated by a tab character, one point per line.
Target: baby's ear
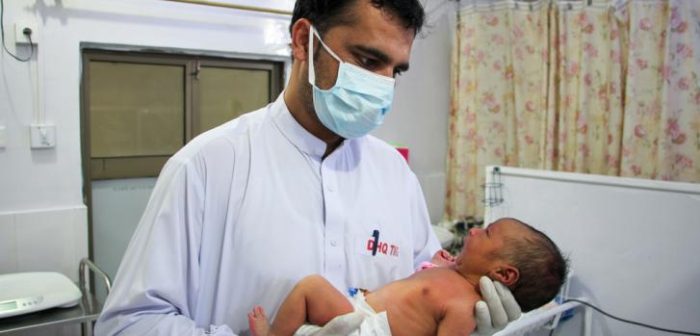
506	274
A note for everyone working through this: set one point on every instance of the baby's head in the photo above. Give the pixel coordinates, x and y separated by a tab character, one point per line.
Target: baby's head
517	255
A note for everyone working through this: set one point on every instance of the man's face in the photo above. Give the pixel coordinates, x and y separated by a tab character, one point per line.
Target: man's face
374	40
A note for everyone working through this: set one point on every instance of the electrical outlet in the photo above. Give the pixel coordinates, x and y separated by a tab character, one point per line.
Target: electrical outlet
42	136
22	27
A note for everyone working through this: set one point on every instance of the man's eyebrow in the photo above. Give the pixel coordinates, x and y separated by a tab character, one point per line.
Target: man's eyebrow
374	52
378	54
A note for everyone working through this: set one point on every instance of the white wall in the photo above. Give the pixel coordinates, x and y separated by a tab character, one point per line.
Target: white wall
52	178
419	118
34	182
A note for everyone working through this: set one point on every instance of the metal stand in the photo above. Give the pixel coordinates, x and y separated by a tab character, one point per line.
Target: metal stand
88	289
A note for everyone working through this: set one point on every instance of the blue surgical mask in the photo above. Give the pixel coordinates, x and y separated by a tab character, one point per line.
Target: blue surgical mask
358	101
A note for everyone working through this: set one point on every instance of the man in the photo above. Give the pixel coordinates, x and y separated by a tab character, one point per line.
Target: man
246	210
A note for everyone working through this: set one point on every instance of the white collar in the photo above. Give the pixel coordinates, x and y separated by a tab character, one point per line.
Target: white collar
294	132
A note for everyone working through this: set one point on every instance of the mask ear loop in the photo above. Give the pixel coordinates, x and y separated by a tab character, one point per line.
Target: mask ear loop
325	46
312	71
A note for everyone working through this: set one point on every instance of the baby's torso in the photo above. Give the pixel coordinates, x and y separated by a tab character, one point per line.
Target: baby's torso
416	304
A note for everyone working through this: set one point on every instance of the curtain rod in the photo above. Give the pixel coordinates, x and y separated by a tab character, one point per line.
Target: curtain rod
232	6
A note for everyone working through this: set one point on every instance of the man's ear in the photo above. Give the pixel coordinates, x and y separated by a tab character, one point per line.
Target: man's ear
301	31
505	274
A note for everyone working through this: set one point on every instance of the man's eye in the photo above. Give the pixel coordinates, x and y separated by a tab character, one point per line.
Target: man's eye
368	63
398	73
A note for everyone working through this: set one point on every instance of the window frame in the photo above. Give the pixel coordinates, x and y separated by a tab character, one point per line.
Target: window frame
150	165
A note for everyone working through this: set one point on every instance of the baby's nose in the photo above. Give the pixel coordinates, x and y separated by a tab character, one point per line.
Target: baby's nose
474	231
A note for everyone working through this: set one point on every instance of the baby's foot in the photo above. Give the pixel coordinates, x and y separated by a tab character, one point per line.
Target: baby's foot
257	322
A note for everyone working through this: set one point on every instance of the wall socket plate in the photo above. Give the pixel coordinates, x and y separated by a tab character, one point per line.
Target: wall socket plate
20	37
42	136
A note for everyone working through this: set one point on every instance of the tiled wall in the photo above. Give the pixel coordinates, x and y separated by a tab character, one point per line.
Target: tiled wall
45	240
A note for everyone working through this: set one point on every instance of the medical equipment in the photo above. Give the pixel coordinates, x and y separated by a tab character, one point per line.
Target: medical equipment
24	293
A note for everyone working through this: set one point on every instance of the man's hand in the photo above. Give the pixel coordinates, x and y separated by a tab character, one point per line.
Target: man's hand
339	325
499	309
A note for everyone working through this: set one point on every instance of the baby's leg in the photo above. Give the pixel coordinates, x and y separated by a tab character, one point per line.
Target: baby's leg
312	300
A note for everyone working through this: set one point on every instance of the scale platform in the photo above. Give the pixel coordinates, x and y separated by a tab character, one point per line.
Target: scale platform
85	310
24	293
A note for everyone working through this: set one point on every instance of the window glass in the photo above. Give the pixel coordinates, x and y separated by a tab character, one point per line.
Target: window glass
226	93
135	109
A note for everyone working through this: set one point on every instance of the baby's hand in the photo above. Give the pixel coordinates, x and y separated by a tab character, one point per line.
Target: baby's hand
443	258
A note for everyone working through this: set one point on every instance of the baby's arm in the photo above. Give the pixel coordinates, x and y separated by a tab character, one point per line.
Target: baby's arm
443	258
458	320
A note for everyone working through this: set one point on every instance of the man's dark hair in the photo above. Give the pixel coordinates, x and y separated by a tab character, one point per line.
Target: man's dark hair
325	14
542	267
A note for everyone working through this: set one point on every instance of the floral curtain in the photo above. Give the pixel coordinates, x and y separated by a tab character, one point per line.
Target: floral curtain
600	87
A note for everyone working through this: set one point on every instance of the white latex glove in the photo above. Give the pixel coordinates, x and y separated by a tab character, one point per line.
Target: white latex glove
339	325
499	309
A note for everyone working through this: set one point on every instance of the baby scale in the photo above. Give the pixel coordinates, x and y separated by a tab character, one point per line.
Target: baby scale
22	293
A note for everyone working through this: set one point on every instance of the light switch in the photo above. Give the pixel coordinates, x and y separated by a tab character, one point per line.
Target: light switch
42	136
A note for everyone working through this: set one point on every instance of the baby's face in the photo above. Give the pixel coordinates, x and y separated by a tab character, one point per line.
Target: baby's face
481	246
